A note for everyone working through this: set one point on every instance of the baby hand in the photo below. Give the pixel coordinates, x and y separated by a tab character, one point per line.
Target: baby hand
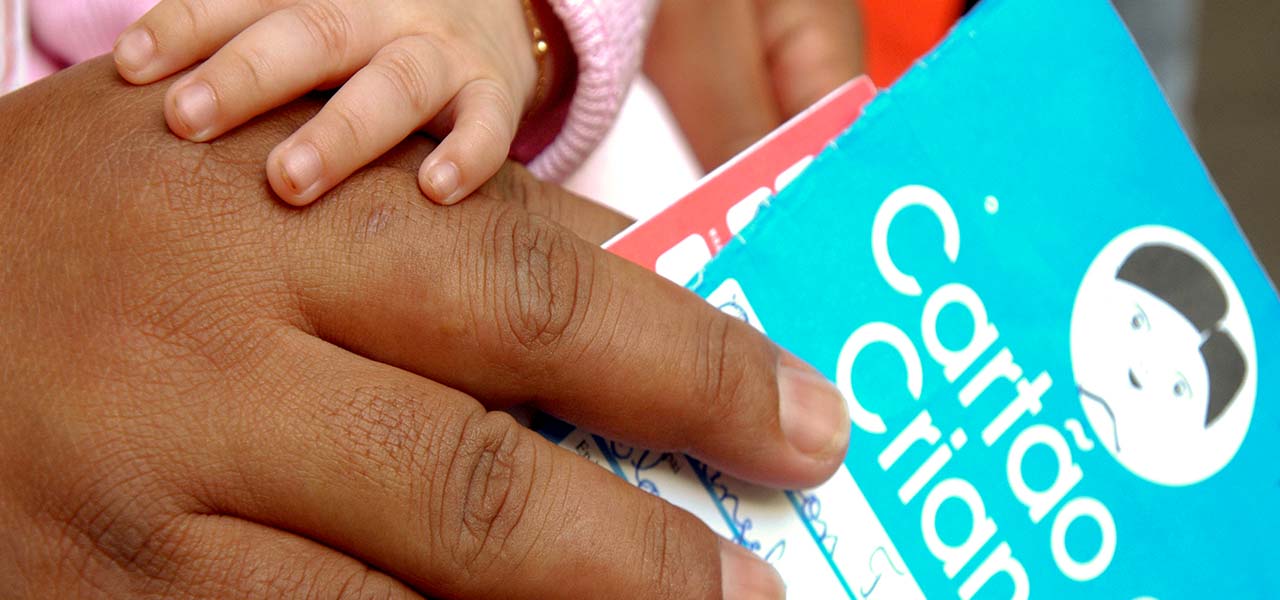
459	68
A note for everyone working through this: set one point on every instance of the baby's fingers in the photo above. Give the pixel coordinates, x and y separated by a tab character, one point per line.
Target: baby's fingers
277	59
176	33
403	86
484	124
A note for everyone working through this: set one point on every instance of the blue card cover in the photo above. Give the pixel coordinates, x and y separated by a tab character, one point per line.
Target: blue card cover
1060	353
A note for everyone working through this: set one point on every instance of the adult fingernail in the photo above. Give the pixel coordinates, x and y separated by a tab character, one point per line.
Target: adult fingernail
814	416
443	179
134	49
745	577
300	168
196	109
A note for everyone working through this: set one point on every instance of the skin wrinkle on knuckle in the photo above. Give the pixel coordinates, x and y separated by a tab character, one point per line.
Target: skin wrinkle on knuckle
196	18
721	371
328	26
402	67
355	122
395	441
487	130
443	34
265	6
253	62
487	485
536	280
656	549
669	555
500	106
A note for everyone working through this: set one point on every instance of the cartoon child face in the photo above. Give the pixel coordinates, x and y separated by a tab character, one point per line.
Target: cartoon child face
1162	353
1139	368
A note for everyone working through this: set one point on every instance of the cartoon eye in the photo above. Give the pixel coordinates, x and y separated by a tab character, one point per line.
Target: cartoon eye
1181	389
1138	321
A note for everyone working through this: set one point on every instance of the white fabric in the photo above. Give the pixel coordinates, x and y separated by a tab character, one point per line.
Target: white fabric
644	163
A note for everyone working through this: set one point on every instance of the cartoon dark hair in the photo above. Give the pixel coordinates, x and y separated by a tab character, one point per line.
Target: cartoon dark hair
1179	279
1226	372
1186	284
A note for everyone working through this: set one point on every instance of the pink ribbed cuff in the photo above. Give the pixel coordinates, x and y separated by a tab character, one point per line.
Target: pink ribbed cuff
608	39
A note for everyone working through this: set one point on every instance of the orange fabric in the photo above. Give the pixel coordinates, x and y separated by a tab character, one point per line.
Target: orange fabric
900	31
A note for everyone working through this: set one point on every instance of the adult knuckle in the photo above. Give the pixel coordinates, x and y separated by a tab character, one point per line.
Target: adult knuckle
490	479
542	279
327	24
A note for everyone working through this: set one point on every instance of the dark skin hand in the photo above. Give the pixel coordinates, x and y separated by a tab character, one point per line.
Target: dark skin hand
209	394
751	63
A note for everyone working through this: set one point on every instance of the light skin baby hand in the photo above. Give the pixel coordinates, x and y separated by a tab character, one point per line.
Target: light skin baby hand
462	70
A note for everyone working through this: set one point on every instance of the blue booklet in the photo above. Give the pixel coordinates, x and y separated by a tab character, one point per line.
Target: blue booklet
1059	352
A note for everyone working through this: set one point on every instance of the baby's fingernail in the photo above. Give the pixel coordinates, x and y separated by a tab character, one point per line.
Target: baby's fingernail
134	49
743	576
300	168
196	109
443	179
814	416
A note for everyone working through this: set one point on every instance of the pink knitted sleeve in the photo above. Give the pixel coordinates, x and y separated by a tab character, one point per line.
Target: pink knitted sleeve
608	38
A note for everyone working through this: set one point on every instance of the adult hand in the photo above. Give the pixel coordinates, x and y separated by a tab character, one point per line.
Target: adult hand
751	63
209	394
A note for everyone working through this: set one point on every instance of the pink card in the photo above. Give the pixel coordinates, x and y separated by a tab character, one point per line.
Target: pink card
677	242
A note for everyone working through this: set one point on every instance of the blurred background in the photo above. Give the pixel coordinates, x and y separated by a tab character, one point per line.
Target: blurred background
1236	110
1219	63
